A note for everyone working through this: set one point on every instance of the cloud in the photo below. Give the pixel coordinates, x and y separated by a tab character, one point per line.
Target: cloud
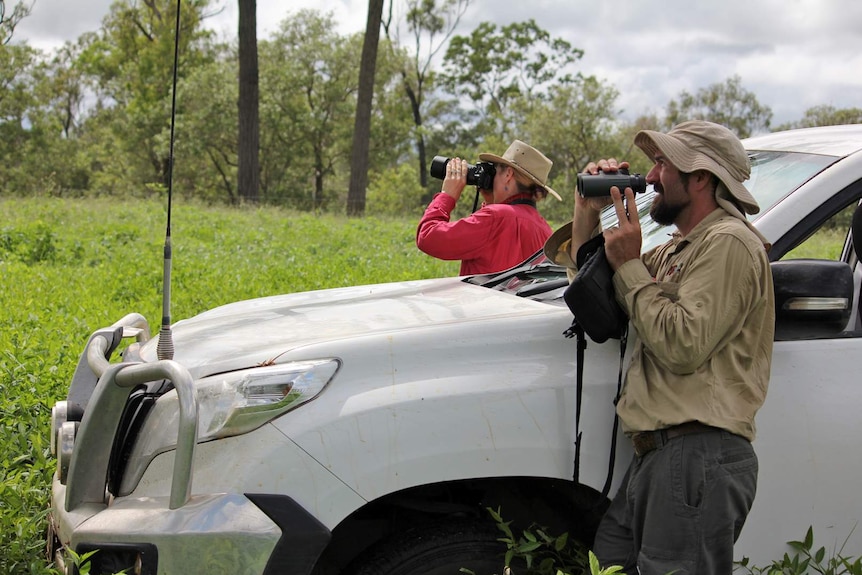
52	22
792	54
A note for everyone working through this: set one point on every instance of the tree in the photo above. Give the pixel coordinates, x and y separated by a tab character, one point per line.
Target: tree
9	20
639	162
574	125
69	87
826	116
309	107
728	104
207	147
249	93
504	73
131	62
59	159
364	100
431	24
17	100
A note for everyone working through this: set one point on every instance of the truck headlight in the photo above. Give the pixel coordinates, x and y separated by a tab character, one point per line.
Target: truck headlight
240	401
233	403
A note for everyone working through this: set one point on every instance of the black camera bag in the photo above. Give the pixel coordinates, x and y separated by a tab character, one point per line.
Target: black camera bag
590	296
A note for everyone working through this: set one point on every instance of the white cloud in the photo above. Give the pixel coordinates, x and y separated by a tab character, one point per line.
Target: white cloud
793	54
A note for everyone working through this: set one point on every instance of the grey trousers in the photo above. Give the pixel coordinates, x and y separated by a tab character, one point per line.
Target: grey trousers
681	507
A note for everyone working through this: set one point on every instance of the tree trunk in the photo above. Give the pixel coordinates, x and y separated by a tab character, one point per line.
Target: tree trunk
362	125
421	151
248	172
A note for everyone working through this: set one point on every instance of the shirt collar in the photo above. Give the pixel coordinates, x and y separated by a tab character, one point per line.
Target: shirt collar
520	199
681	241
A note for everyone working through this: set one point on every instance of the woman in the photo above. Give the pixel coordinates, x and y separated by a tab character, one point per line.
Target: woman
506	229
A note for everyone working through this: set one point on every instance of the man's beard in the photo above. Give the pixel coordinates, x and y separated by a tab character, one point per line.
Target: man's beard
664	213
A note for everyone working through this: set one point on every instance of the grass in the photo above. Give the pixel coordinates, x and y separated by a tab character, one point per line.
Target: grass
825	244
69	267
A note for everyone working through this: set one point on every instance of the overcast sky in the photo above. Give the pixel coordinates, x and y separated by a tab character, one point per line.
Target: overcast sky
792	54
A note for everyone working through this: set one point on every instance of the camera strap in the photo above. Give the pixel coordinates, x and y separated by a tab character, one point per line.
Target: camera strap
575	330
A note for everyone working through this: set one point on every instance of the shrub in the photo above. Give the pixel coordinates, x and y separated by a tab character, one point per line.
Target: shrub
395	192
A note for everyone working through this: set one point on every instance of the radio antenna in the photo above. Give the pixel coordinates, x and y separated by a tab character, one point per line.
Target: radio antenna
165	347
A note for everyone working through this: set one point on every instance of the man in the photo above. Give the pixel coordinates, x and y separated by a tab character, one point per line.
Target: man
703	308
507	229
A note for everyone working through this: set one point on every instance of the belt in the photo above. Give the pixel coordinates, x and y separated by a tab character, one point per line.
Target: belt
646	441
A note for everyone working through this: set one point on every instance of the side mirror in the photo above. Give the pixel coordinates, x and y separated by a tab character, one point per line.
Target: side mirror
813	298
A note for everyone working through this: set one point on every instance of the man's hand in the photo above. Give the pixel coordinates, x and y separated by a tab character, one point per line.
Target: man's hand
587	210
596	204
623	243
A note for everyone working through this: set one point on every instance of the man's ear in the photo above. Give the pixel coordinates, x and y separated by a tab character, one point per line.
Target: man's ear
702	178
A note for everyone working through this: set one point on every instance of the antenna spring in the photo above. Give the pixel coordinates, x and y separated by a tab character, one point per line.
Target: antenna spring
165	347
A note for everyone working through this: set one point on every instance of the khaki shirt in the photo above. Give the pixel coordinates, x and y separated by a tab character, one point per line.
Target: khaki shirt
703	307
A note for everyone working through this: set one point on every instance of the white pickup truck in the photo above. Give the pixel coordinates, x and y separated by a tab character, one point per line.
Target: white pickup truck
365	430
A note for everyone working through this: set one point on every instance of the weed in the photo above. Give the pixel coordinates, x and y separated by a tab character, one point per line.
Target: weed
807	560
543	554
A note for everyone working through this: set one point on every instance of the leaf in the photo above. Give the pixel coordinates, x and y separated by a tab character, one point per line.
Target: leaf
504	527
819	555
809	538
529	546
561	541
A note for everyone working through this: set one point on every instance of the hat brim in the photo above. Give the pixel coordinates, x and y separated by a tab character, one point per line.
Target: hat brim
495	159
685	159
556	240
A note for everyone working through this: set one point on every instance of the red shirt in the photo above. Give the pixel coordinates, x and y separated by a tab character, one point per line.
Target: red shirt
491	239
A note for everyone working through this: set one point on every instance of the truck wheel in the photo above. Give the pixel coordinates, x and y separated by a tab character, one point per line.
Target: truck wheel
441	549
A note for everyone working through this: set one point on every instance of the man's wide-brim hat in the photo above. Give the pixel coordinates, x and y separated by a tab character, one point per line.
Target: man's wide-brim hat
527	161
701	145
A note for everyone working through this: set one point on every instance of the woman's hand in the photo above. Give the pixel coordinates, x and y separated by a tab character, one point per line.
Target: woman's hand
456	177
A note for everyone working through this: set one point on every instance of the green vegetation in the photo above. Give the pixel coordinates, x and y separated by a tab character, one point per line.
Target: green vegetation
827	241
92	117
807	559
825	244
70	267
537	552
540	552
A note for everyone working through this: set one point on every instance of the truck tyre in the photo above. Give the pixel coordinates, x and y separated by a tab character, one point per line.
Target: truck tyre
440	549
